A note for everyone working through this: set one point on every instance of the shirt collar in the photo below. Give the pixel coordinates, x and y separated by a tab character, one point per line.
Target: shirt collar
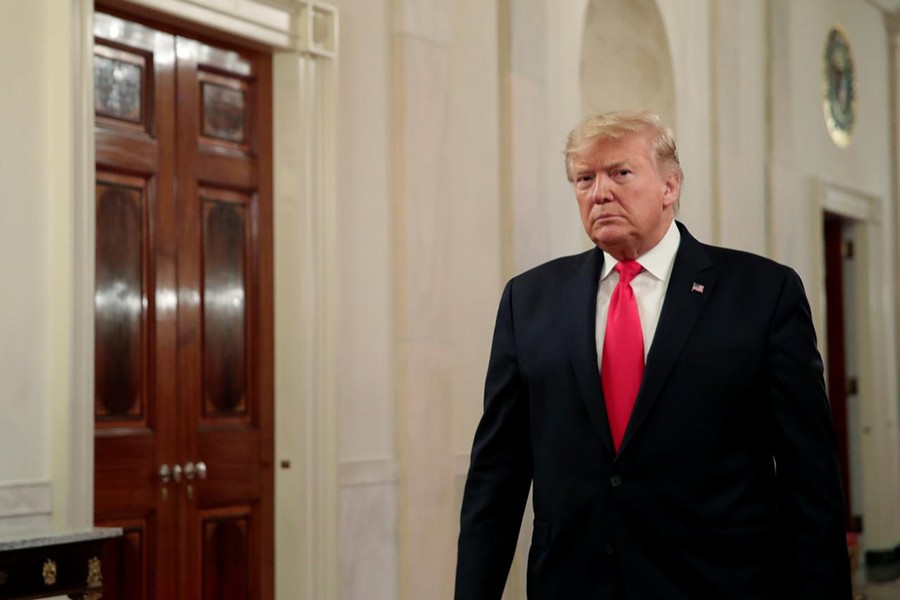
657	261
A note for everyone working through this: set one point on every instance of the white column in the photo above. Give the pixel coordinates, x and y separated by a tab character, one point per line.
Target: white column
423	369
306	496
447	265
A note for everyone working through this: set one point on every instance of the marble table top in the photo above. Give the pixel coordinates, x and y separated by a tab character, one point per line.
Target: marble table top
55	537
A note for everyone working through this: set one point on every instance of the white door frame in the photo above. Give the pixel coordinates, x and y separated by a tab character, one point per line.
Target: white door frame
878	409
303	36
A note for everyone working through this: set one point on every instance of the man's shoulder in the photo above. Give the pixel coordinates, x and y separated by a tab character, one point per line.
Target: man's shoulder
730	259
562	266
743	266
744	259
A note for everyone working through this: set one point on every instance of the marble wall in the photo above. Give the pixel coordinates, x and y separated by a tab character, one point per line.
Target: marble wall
24	305
737	76
424	215
368	531
625	61
808	174
42	478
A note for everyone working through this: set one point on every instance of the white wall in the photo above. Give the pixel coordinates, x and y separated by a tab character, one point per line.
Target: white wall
26	305
801	148
364	386
739	207
419	277
447	261
365	369
24	231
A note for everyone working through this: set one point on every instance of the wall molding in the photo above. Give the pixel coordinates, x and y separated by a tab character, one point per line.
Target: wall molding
368	472
25	506
307	26
385	470
374	471
23	499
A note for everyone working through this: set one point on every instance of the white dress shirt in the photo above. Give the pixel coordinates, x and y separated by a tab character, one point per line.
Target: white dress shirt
649	287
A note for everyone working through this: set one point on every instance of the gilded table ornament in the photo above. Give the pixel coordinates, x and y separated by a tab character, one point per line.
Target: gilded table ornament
95	577
49	572
840	87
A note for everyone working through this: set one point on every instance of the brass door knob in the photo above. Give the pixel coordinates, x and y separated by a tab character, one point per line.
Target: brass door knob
195	471
165	473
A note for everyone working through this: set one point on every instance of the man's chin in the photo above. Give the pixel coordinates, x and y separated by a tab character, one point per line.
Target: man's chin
609	236
614	242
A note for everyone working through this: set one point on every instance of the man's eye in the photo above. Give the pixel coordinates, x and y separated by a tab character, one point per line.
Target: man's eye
623	172
584	179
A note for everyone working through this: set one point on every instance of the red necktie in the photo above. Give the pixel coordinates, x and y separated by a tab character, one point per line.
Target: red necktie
623	352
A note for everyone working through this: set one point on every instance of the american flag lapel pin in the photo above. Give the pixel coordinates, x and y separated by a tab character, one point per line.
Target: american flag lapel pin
697	287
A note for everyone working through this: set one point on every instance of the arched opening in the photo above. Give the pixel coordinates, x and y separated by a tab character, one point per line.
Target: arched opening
625	61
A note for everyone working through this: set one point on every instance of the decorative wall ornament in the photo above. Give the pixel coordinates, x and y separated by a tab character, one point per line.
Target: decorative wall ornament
840	87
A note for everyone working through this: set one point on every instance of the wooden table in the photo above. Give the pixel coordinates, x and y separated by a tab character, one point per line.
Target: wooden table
53	563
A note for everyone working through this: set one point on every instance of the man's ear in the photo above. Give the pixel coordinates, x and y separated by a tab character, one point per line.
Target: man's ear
672	188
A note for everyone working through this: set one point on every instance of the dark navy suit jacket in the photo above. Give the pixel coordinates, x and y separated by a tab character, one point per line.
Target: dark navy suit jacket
726	484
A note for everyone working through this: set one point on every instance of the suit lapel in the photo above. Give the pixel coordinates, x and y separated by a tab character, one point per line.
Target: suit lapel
682	306
579	301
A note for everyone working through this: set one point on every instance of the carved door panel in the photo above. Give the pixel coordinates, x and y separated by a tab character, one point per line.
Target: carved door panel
183	310
135	316
226	383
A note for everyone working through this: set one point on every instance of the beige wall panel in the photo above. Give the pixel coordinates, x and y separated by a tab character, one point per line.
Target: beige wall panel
364	369
24	230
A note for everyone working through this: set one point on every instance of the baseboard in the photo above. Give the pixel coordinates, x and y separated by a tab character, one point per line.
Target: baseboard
25	506
883	565
368	472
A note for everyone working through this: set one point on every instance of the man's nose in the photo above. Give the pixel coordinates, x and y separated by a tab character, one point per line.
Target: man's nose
601	191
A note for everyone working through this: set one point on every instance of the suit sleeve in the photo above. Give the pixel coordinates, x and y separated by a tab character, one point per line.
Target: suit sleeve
811	545
499	473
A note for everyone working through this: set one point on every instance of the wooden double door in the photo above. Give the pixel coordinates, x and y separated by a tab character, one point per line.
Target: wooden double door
183	313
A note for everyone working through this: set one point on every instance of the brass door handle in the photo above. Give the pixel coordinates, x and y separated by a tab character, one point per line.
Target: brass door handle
165	473
197	471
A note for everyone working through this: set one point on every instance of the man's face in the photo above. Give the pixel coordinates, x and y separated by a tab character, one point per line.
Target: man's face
626	204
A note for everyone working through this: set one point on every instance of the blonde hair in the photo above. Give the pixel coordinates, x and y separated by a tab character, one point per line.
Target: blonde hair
618	125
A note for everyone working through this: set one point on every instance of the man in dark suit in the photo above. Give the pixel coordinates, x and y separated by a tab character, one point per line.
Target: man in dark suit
666	399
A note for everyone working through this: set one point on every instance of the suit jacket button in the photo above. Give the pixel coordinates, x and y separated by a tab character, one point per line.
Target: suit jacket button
609	550
615	480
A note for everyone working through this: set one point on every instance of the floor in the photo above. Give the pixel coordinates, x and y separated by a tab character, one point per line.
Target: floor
880	591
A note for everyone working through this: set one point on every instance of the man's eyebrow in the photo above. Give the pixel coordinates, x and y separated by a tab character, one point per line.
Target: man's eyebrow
617	164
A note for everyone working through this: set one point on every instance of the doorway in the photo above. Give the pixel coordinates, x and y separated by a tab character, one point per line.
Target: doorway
183	313
840	253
